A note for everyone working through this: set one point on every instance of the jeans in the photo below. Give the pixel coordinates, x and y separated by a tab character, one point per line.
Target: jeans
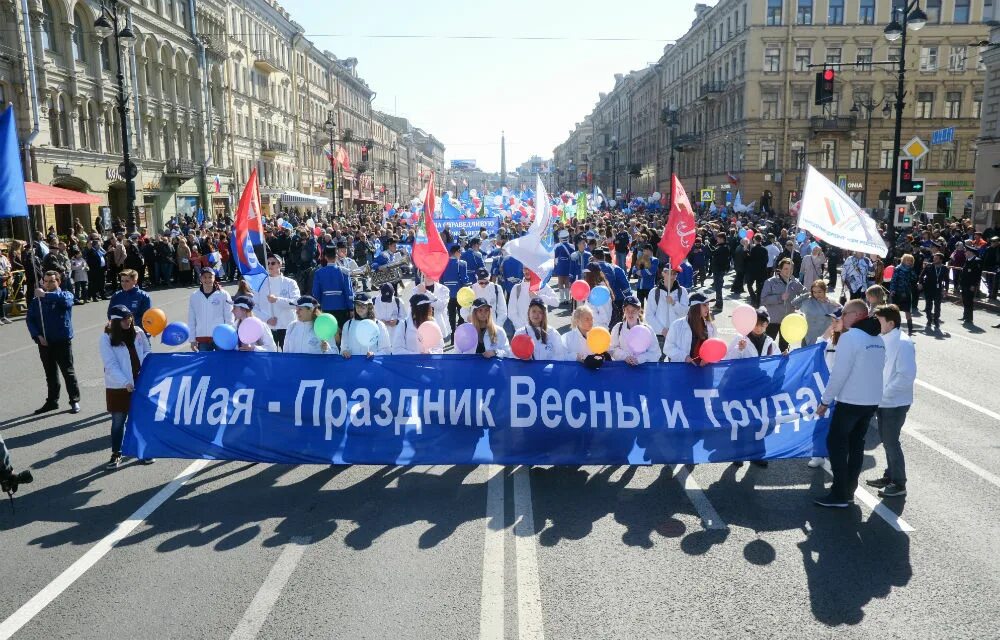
890	424
3	302
56	357
118	419
754	285
621	257
846	446
80	291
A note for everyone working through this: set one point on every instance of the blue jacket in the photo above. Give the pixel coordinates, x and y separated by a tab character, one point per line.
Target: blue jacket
510	272
618	281
455	276
685	277
578	264
56	309
332	287
562	252
473	261
136	300
647	277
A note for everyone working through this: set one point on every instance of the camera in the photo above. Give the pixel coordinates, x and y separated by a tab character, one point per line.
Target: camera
10	484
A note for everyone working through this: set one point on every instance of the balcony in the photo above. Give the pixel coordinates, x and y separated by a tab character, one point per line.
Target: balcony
180	169
271	149
710	90
265	62
840	123
686	141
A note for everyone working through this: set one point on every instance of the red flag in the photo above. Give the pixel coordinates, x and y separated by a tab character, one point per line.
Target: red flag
344	158
678	235
429	253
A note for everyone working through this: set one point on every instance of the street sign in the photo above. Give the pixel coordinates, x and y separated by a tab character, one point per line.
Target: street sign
942	136
916	148
708	195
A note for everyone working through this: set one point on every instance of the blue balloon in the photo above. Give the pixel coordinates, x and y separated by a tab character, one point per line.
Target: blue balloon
800	236
743	233
599	295
225	338
175	333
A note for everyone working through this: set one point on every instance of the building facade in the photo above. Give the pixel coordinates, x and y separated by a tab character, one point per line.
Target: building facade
987	204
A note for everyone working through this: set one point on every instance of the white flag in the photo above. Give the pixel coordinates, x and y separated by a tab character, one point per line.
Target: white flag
832	216
536	249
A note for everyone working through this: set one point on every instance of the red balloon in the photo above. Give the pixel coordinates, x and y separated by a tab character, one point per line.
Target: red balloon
317	231
887	272
522	346
712	350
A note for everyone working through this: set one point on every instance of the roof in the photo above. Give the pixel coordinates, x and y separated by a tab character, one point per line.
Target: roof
46	194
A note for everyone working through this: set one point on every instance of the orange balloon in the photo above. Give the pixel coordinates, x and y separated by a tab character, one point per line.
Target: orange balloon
154	321
598	340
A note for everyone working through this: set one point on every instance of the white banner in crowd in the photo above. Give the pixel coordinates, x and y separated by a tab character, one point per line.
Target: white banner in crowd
832	216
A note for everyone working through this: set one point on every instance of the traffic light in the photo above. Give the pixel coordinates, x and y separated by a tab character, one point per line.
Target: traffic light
364	153
824	86
908	186
902	214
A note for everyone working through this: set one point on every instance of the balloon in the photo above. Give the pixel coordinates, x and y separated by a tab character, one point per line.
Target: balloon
580	290
366	332
750	234
743	233
598	340
522	346
175	333
224	337
429	334
744	319
317	231
153	321
325	326
800	236
712	350
599	295
466	338
794	327
656	195
639	338
250	330
465	297
886	275
497	201
310	222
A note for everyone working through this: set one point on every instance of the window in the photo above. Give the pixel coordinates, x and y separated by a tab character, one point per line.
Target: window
48	28
835	12
105	55
925	104
953	104
767	154
933	10
864	59
803	58
804	15
857	154
928	58
977	105
949	156
885	155
772	59
78	37
774	8
958	57
798	149
833	55
800	106
769	106
866	12
961	11
828	154
894	54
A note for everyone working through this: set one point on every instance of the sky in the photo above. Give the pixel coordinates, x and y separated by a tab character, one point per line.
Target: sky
465	91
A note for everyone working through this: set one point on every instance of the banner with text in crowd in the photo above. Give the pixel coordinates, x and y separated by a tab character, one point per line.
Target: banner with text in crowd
452	409
471	225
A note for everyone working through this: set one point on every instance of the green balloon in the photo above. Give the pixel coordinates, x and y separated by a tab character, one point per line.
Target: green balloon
325	326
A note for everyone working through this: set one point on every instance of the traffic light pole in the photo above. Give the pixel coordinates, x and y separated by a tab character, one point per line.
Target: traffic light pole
897	136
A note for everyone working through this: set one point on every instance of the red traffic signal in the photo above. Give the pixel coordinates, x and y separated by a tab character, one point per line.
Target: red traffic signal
824	86
828	75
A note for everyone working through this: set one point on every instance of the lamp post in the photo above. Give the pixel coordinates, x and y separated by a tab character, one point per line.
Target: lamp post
395	172
331	128
674	123
117	26
869	106
913	18
614	169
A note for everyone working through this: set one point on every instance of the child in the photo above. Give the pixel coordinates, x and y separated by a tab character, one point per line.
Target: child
80	269
757	343
619	345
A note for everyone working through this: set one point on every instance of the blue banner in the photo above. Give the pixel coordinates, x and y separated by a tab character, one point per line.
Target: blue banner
473	225
453	409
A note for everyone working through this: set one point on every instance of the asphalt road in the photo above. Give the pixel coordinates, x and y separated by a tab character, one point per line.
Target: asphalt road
274	551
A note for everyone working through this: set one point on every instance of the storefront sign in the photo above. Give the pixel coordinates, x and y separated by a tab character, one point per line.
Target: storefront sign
855	185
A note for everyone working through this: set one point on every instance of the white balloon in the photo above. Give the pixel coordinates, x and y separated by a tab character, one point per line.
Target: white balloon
498	201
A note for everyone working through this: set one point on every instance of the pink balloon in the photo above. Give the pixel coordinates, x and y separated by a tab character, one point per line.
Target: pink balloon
251	330
750	234
580	290
317	231
429	334
744	319
712	350
887	273
639	338
466	338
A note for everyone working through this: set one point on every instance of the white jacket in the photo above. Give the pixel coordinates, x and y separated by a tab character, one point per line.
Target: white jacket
493	293
349	340
264	343
677	346
206	313
501	345
602	314
749	351
900	370
620	351
117	363
575	345
856	377
520	299
405	341
395	309
551	349
287	292
301	338
660	315
439	300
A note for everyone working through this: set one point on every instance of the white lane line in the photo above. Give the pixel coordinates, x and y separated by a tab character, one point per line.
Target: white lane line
491	613
43	598
959	399
948	453
877	506
529	593
256	615
709	516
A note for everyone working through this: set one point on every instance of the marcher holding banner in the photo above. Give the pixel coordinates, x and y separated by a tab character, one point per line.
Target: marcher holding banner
491	340
243	314
406	340
361	339
687	334
276	302
594	276
548	342
439	295
777	296
521	296
389	308
622	344
666	303
122	350
301	335
208	307
755	344
492	293
575	340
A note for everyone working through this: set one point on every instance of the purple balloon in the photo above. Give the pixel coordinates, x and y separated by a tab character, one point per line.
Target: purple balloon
466	338
638	339
250	331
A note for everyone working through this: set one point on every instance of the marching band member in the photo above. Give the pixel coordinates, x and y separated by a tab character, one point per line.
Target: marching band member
300	336
594	276
406	340
389	308
242	310
439	296
756	344
492	293
561	270
647	267
473	257
343	260
548	342
666	303
333	288
686	334
209	307
493	341
276	302
521	296
350	342
455	276
579	259
632	317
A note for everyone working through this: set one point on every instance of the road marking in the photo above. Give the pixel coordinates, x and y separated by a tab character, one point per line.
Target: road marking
529	595
256	615
491	612
960	400
709	516
43	598
948	453
877	506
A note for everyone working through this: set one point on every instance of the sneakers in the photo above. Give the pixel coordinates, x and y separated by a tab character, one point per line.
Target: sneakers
832	502
74	407
815	463
879	483
146	461
892	491
6	321
116	459
45	408
759	463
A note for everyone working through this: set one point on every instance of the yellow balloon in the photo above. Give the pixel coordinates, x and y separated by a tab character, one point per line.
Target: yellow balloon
598	340
794	327
465	297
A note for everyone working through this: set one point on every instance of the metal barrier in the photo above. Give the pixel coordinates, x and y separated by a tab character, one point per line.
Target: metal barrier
987	287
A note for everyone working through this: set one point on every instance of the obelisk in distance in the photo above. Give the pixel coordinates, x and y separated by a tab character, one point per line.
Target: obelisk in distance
503	160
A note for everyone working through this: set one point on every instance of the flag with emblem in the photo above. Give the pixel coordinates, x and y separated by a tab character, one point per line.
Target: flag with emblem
248	233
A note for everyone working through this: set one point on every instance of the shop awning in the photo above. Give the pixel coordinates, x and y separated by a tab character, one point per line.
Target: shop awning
46	194
298	199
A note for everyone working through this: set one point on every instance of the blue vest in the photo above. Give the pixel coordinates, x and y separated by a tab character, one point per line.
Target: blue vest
332	287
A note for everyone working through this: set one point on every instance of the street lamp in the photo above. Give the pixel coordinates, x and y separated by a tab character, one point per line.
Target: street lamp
117	26
869	106
331	127
395	172
913	18
673	121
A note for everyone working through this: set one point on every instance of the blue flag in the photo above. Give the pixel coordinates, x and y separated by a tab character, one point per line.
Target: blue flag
13	201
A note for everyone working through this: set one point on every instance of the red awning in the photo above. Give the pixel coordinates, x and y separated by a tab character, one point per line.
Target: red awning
45	194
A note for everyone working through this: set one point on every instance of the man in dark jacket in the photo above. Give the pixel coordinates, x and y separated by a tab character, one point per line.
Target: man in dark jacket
972	275
50	324
834	256
756	270
97	262
991	263
933	281
721	260
792	254
740	255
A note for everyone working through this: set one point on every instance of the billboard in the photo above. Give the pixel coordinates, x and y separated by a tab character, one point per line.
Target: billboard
463	165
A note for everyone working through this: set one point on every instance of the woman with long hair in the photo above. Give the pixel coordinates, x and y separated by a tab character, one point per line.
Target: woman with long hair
594	276
816	307
300	337
632	318
902	286
687	334
575	340
122	350
243	312
406	340
548	342
492	341
350	340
